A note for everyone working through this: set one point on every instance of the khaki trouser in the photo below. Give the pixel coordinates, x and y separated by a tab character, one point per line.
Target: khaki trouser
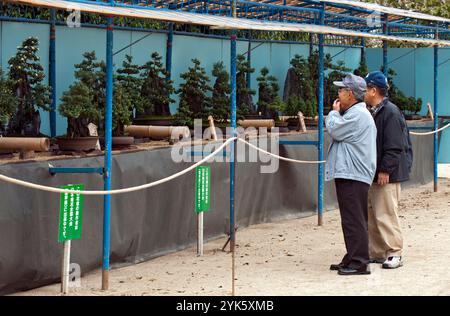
385	235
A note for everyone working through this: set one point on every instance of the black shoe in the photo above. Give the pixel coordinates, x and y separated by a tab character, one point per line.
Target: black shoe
336	267
350	271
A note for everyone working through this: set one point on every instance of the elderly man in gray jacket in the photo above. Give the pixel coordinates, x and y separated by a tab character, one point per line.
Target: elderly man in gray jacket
351	162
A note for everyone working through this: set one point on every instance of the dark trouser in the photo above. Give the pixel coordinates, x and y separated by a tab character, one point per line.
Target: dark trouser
352	199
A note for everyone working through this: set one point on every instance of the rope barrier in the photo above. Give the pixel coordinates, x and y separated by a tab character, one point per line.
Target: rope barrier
151	184
176	175
432	132
280	157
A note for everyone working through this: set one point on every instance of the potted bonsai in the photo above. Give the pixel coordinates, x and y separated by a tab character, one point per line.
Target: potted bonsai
220	101
299	89
268	91
338	71
244	102
156	90
82	104
193	94
27	74
8	102
408	105
8	106
127	99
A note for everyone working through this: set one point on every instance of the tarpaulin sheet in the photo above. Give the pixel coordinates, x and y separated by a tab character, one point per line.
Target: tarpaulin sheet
156	221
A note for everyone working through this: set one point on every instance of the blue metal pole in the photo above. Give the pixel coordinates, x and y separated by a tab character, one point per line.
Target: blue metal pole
233	133
108	155
52	72
363	49
436	117
385	46
169	52
249	59
233	147
320	123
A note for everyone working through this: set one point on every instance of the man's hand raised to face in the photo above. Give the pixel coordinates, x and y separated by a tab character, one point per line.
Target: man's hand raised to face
337	105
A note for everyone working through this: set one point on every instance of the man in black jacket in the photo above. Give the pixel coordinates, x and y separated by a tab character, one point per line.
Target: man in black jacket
394	161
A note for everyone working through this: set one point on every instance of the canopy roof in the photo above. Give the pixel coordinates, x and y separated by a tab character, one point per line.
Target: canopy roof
341	17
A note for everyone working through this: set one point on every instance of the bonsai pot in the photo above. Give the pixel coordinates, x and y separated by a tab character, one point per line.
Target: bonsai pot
254	117
283	127
411	117
77	143
119	141
155	121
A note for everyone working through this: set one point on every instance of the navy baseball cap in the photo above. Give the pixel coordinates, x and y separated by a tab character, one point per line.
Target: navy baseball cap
378	79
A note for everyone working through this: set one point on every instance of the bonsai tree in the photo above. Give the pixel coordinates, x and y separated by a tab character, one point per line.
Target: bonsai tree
156	89
193	91
301	85
84	102
337	73
127	97
297	83
27	75
294	105
244	102
276	107
220	101
268	91
183	117
122	109
8	101
313	61
408	105
363	69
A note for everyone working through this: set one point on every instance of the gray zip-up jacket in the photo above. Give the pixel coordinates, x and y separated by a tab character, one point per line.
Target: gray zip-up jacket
353	151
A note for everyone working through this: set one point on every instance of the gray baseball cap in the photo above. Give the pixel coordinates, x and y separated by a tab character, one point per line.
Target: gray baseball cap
354	83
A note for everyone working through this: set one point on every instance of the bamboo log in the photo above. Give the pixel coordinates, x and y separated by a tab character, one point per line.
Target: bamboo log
256	123
173	132
25	143
212	128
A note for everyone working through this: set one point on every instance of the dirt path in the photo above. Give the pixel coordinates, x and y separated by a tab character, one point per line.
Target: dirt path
292	258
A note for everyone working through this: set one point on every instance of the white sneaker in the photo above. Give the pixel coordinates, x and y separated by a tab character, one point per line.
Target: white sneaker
393	262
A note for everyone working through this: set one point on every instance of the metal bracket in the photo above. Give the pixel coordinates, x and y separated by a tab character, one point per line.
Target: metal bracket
54	170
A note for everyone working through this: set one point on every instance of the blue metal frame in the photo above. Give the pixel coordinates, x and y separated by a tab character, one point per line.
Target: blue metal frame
320	122
52	72
169	52
55	170
108	154
126	28
233	133
436	114
298	142
385	47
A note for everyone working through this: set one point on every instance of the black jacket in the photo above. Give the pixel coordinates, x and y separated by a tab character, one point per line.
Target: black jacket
394	149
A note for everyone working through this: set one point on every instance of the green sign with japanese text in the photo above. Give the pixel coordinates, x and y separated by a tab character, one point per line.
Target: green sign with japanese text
202	188
70	213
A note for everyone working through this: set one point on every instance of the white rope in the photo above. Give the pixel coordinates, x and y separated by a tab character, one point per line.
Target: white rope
430	133
118	191
148	185
280	157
